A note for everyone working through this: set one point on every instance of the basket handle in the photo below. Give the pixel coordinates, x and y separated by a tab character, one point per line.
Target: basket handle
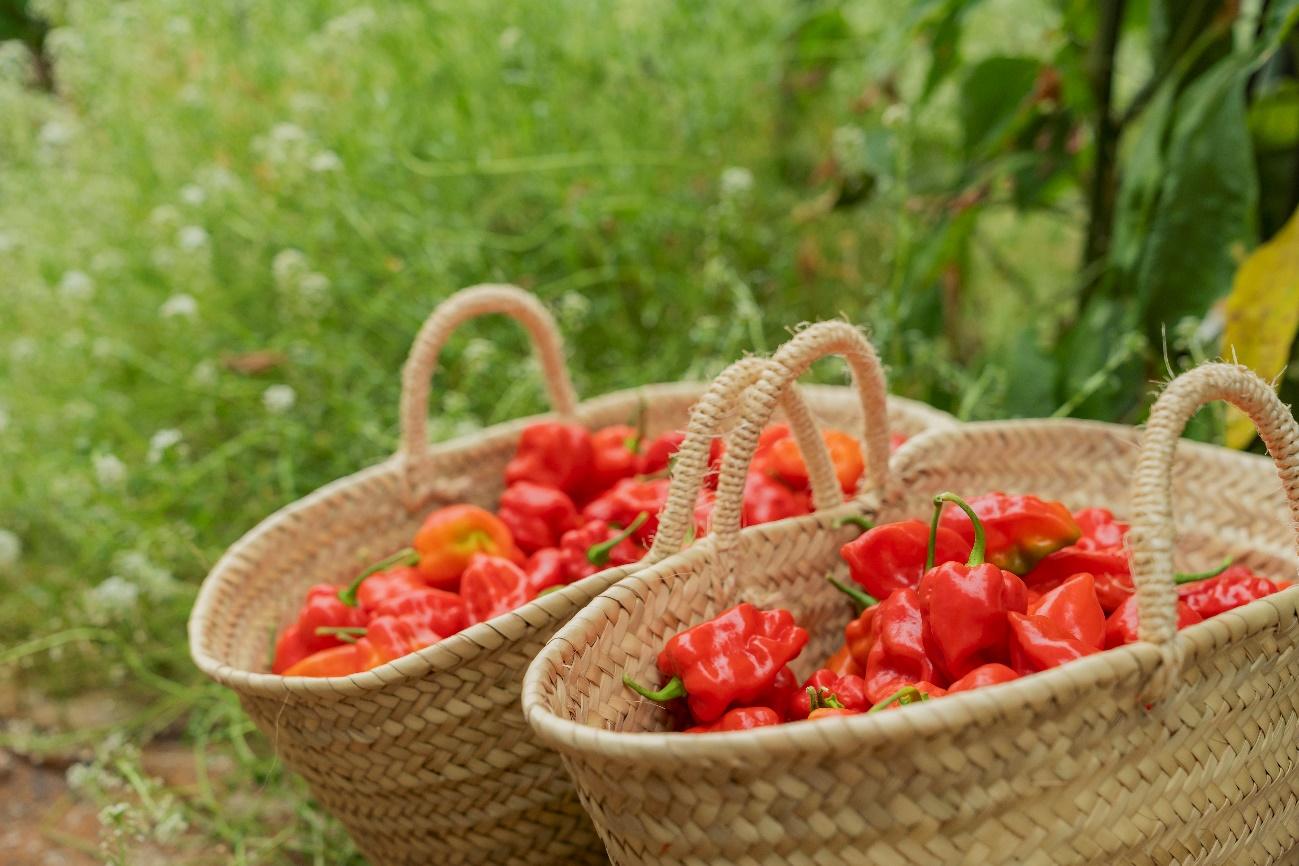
790	362
421	362
1152	533
690	465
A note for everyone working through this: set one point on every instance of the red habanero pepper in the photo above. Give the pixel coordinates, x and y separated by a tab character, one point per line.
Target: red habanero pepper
859	634
766	499
1074	607
596	545
892	555
537	516
786	461
739	719
493	586
984	675
1231	588
898	655
849	691
290	649
827	712
1100	530
553	455
545	569
1037	643
627	499
1109	568
728	660
338	661
784	691
842	662
443	612
965	604
904	696
614	457
324	610
390	637
1123	625
1020	529
451	536
388	584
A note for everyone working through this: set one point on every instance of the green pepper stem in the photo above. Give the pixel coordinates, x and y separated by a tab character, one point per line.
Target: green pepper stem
813	699
831	700
903	696
672	689
598	554
856	520
345	633
980	542
405	556
859	598
1181	578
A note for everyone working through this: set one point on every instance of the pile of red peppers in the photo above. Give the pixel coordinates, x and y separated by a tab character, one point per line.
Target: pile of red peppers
576	502
998	588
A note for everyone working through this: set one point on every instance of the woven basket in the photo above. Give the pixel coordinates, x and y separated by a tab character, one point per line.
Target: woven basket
428	759
1183	749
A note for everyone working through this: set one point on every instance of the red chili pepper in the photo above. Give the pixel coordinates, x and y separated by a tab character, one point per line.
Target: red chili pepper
891	556
338	661
1074	607
493	586
553	455
859	637
1099	529
387	584
545	570
614	456
451	536
785	461
739	719
842	662
728	660
827	712
1108	567
536	516
443	612
783	692
289	649
1123	625
849	692
911	693
628	499
965	604
596	545
766	499
324	610
390	637
984	675
1232	588
898	656
1021	529
1037	643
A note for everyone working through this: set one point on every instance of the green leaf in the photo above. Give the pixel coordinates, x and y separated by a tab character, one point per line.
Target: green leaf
1274	117
1175	24
994	98
945	43
1140	180
1206	208
1102	374
1280	19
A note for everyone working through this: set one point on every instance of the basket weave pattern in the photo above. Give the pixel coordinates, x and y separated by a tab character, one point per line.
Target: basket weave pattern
1078	765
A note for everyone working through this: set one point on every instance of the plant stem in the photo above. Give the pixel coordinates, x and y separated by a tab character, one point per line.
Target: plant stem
1104	181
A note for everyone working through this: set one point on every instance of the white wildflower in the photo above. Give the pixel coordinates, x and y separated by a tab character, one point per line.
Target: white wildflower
509	38
110	471
108	261
191	238
15	62
895	115
180	306
325	161
573	306
736	181
11	548
288	266
191	94
849	148
111	599
164	216
287	133
155	581
170	827
22	348
162	440
55	133
103	348
8	243
79	411
205	373
80	776
192	194
217	177
351	24
76	286
178	25
279	399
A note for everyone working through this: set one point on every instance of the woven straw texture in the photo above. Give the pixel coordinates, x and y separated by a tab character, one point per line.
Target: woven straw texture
1183	751
428	759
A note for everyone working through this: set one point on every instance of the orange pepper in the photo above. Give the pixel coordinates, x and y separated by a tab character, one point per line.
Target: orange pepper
786	461
338	661
843	663
452	535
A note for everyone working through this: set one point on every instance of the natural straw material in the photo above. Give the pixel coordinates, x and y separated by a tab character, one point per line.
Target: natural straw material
427	759
1077	765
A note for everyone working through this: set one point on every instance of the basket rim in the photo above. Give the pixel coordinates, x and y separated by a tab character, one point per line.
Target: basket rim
842	734
480	637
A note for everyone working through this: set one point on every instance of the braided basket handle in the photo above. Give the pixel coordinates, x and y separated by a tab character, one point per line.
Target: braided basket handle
1152	533
690	465
421	363
790	362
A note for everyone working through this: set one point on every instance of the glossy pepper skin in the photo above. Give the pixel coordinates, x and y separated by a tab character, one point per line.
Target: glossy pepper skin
536	516
891	556
443	612
1020	530
859	637
492	586
786	461
337	661
727	661
388	638
1123	625
1234	587
1109	568
1100	530
451	536
984	675
842	662
388	584
324	609
898	656
966	604
576	548
783	692
767	499
628	499
739	719
613	456
1074	607
847	690
545	569
289	649
1037	644
553	455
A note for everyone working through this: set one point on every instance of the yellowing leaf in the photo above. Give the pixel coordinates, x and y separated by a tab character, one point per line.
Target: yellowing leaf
1262	313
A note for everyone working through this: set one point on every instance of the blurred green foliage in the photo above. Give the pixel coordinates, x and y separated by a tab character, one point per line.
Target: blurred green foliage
221	224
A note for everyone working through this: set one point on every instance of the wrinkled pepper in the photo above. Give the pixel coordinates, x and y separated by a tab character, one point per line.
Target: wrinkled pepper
898	656
323	609
443	612
627	500
728	660
1020	529
545	570
492	586
1074	607
553	455
1123	626
848	692
891	556
1232	588
388	584
388	638
536	516
1037	643
451	536
766	499
596	545
984	675
1100	530
739	719
613	456
786	461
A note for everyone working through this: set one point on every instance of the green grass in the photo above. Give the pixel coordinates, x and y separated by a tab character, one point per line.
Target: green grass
309	179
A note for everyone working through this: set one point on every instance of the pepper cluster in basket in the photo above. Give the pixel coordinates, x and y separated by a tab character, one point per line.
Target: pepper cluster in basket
576	501
999	588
